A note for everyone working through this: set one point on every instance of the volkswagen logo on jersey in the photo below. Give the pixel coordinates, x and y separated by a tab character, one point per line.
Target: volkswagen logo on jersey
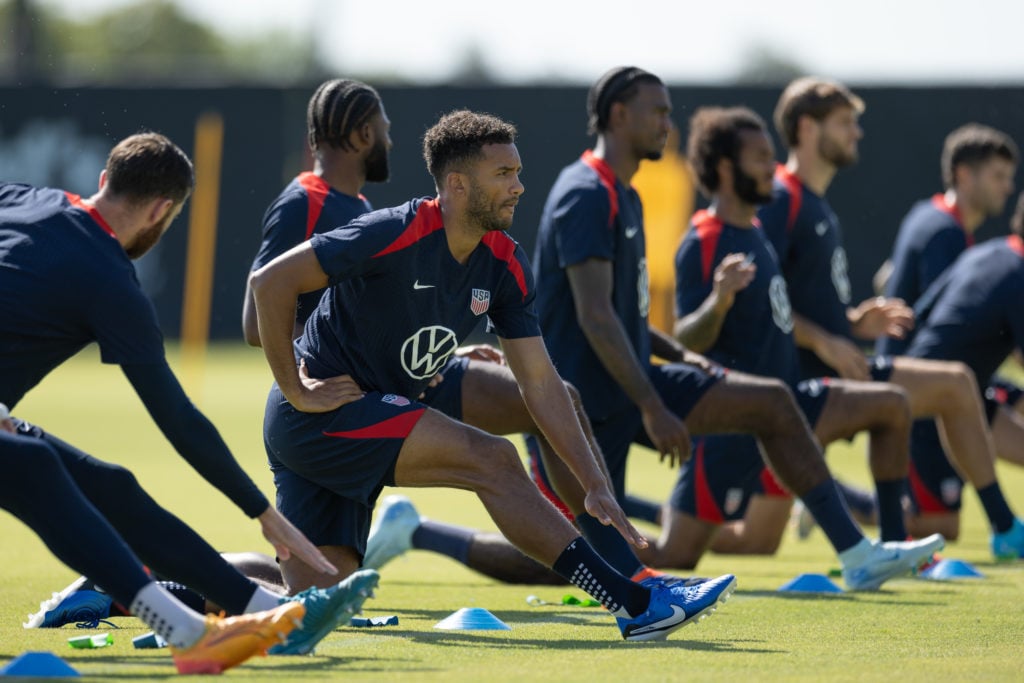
480	301
426	351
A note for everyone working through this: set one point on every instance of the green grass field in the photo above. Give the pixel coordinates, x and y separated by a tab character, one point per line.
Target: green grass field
913	630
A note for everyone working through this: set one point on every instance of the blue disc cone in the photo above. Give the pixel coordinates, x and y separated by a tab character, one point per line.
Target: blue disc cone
472	619
810	583
38	664
946	569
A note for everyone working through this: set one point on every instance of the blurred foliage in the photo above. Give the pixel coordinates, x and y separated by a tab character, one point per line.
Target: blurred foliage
148	42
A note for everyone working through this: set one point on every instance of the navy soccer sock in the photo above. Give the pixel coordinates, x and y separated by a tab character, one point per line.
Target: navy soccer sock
1000	517
582	567
610	545
832	515
859	500
890	510
452	541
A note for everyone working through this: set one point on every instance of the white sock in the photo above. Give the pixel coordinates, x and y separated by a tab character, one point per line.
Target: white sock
262	600
851	557
167	616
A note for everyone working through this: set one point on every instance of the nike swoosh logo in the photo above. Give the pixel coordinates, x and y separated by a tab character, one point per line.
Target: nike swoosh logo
631	232
667	622
417	285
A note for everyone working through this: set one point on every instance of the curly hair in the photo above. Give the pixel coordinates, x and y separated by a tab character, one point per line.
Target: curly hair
715	135
460	136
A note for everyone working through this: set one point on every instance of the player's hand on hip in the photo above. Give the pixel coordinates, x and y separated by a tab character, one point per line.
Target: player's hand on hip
602	506
482	352
289	541
323	395
668	434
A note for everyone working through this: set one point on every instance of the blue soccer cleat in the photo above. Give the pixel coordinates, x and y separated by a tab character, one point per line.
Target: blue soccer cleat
1009	545
673	607
326	609
76	603
888	560
391	533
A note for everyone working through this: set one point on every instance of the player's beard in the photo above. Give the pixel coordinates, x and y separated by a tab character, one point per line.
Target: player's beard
484	214
377	169
832	152
745	187
147	238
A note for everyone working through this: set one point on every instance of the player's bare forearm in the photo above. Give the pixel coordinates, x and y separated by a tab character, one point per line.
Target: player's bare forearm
665	347
699	330
551	408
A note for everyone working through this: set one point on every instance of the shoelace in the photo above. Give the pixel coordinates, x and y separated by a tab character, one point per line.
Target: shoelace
95	623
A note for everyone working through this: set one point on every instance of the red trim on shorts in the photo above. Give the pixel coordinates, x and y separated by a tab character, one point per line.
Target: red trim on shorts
504	249
709	230
796	193
77	202
316	191
428	219
546	490
927	504
771	486
397	427
707	509
607	177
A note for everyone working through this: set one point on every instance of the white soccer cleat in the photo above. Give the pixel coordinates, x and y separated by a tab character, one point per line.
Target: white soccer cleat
391	533
889	560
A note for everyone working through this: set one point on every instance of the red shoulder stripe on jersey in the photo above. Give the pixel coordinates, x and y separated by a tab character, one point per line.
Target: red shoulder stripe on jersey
504	249
771	485
77	202
1016	244
707	509
709	229
427	220
926	502
316	190
607	177
796	194
397	427
940	203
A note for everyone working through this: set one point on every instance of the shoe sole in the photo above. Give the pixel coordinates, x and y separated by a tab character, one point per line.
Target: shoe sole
700	616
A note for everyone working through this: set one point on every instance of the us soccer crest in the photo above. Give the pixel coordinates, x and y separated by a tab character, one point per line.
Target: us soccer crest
480	301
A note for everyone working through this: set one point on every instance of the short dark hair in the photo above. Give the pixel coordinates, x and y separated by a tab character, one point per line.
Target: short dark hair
715	135
814	97
974	144
1017	219
336	109
460	136
147	166
617	85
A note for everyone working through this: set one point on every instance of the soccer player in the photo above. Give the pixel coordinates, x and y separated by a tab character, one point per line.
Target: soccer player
732	306
978	165
69	281
592	299
348	135
818	122
404	286
971	314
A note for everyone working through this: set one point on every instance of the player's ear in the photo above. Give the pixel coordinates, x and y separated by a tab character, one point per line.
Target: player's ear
456	182
103	178
158	209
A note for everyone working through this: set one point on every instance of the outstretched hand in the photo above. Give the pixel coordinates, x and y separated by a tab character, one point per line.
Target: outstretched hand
881	317
602	506
289	541
668	434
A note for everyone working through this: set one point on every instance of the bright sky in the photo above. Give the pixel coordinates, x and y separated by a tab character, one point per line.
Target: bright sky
864	41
